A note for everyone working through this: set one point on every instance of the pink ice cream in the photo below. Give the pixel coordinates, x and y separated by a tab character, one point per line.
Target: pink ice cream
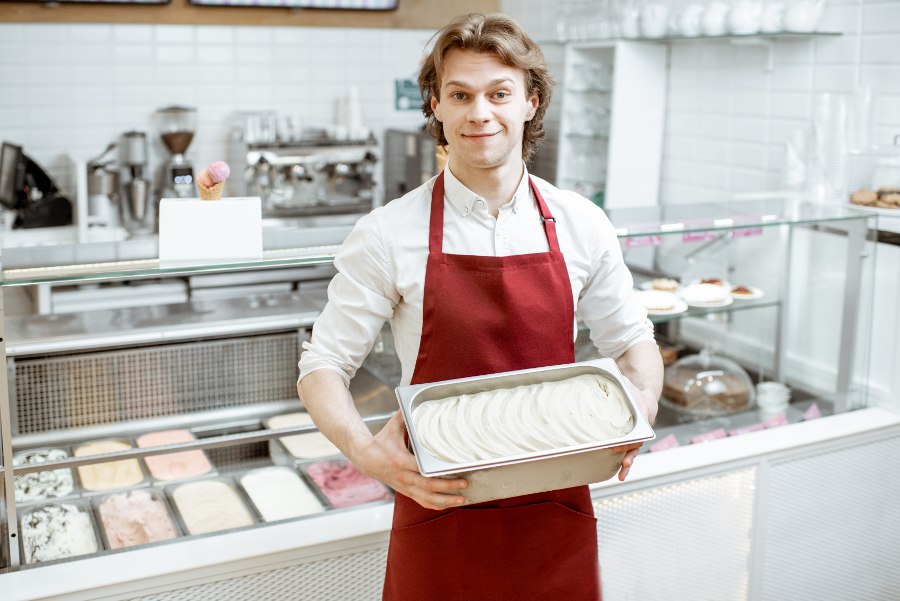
135	518
344	485
173	466
215	172
218	171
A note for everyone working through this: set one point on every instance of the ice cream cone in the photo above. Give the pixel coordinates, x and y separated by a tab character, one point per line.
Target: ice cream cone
214	193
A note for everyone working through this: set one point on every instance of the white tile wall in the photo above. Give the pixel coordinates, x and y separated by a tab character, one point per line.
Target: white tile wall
728	118
70	89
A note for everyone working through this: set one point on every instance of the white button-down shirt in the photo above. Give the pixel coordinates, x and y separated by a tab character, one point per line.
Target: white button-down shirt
381	271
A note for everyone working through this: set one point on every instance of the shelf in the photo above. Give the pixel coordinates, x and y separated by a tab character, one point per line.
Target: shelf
736	306
151	268
731	36
678	38
725	217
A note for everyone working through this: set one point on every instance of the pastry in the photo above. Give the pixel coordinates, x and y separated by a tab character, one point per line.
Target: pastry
704	294
888	190
727	391
665	284
865	198
742	290
893	198
211	181
713	281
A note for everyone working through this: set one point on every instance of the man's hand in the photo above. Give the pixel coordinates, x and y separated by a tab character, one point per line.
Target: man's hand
648	406
385	458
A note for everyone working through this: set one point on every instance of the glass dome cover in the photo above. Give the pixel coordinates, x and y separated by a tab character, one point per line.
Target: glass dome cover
707	385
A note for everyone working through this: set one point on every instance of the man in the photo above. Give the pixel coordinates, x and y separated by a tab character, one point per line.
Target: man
480	271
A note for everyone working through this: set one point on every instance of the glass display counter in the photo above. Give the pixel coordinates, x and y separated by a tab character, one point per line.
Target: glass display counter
86	389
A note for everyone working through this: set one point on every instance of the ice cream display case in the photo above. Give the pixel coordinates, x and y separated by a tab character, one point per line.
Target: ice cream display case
150	433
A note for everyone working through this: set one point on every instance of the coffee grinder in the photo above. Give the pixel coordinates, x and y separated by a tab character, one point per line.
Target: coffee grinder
177	125
136	214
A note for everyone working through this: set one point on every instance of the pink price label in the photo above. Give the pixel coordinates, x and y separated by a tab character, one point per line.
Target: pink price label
669	442
778	420
813	412
720	433
642	241
750	231
698	237
746	430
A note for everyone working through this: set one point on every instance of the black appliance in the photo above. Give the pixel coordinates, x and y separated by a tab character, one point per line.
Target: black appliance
27	189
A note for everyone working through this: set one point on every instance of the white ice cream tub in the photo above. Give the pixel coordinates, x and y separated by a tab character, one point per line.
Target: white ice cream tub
538	471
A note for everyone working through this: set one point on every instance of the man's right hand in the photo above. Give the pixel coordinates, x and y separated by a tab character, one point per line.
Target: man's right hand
386	458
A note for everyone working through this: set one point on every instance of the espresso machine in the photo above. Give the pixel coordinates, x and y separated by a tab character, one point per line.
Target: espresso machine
136	214
177	125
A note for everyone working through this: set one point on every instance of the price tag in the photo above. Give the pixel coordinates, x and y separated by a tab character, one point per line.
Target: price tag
669	442
743	233
778	420
642	241
813	412
747	430
720	433
698	237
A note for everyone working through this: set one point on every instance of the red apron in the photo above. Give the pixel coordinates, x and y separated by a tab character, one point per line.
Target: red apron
484	315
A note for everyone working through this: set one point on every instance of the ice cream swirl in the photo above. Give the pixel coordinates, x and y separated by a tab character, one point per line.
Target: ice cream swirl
506	422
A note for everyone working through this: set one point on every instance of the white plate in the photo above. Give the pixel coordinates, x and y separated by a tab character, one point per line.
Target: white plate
725	283
876	210
648	285
757	293
680	307
723	303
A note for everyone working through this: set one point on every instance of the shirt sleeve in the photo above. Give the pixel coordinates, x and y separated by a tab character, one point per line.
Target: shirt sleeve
608	305
360	298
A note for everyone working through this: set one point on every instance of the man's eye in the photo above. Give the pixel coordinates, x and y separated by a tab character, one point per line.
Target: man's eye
501	95
458	95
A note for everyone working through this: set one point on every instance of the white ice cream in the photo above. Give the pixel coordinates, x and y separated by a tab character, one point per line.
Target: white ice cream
57	531
280	494
312	445
505	422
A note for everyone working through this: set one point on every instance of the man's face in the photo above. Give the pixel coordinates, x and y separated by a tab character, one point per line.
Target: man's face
483	108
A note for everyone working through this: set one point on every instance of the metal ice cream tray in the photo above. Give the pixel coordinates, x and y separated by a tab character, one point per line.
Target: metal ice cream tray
538	471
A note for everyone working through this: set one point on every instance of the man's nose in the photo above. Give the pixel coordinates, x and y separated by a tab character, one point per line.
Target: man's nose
480	110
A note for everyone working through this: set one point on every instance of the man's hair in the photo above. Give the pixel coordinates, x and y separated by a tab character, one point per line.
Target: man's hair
504	37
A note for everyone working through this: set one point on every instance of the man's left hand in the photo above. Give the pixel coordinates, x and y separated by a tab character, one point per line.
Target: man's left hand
649	406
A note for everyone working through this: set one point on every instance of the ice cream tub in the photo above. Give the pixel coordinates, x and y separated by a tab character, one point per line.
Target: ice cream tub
528	472
130	518
293	449
208	505
177	465
340	484
53	532
49	485
99	478
280	493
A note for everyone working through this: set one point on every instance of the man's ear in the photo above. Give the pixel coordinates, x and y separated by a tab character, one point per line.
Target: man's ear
534	101
436	107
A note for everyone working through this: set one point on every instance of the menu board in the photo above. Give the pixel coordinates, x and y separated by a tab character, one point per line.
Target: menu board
339	4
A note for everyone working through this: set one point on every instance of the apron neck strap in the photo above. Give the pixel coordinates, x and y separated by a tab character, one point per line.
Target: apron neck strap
436	225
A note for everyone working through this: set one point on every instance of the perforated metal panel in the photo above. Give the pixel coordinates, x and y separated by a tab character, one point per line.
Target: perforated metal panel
109	387
685	542
833	526
356	577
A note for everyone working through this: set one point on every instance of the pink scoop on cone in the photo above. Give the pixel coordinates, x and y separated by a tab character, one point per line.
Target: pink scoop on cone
211	181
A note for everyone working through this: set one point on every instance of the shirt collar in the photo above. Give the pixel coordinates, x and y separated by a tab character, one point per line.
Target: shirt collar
464	199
